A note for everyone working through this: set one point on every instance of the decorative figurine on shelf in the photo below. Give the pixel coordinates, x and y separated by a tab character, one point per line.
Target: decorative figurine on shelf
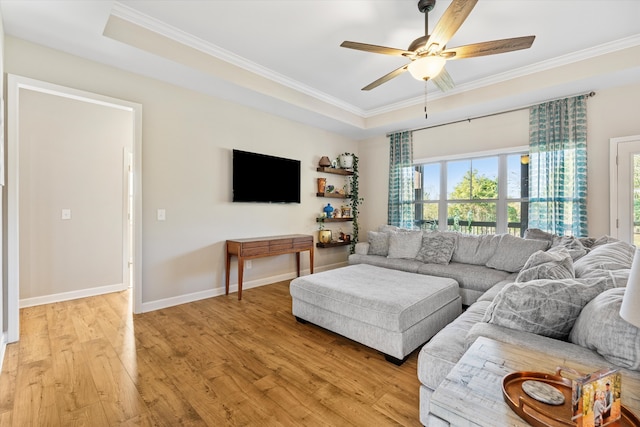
328	210
337	213
324	162
322	183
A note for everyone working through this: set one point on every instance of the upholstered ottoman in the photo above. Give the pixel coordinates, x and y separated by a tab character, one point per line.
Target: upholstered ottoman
392	311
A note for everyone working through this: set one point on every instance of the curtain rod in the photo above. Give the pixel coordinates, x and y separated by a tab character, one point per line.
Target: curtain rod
588	95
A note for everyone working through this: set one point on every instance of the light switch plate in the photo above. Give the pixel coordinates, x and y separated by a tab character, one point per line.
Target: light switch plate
162	215
66	214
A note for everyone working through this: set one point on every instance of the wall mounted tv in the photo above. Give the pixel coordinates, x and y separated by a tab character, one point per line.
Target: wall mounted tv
265	179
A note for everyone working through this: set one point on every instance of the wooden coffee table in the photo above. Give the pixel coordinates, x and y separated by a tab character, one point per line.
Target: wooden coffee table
471	395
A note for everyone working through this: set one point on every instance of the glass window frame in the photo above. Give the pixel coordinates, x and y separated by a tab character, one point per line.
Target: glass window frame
502	202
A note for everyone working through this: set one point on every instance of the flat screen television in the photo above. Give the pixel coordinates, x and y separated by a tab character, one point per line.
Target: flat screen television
265	179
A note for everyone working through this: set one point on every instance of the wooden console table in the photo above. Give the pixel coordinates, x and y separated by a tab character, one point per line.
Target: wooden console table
267	246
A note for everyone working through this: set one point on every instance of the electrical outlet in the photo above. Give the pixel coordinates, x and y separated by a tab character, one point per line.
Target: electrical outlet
247	264
162	214
66	214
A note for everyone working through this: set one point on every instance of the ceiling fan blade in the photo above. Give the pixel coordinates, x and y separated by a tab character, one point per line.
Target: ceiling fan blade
443	81
451	20
376	49
386	77
489	48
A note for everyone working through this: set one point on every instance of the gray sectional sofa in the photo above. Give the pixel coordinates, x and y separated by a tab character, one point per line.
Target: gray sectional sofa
476	262
544	299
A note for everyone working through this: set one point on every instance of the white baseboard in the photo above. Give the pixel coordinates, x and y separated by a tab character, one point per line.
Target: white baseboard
66	296
233	288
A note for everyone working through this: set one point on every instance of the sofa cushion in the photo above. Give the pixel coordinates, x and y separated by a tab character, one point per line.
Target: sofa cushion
410	265
605	258
543	307
600	327
556	263
513	252
476	277
537	234
444	350
378	243
475	249
404	244
437	248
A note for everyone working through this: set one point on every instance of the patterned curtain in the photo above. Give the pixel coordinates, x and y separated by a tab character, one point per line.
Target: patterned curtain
401	194
558	166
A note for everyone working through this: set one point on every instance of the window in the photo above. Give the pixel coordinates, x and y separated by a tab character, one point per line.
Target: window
479	195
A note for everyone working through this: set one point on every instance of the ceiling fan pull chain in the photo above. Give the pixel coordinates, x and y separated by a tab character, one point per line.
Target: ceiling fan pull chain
425	100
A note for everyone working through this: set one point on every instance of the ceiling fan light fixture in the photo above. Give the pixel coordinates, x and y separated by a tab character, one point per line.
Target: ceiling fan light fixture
427	67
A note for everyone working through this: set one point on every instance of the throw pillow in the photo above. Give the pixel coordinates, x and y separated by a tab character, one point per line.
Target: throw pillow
437	248
378	243
404	244
610	256
556	263
513	252
573	245
600	327
603	240
543	307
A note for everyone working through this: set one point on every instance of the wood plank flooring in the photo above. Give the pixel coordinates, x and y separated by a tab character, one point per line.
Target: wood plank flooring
215	362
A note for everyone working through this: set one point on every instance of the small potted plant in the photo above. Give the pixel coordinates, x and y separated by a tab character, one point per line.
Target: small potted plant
345	160
324	236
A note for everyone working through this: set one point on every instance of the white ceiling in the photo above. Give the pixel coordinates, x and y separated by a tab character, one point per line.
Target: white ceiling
295	44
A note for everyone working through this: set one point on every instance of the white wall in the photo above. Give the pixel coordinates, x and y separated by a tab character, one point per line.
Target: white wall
611	113
186	169
71	157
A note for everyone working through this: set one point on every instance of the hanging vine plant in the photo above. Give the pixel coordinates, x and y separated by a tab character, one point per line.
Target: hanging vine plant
356	200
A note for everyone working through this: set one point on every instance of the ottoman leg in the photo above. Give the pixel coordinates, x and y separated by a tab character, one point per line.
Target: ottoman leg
394	360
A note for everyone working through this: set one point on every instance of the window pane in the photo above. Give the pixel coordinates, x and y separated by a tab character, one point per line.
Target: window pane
484	178
514	218
431	182
458	180
514	174
430	216
472	218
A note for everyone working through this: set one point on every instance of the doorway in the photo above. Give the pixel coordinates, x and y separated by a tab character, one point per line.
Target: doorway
18	87
625	189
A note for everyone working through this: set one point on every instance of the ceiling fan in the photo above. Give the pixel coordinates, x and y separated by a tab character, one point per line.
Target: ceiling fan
429	53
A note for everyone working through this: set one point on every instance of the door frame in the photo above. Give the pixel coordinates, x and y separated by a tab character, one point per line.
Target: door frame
614	213
15	84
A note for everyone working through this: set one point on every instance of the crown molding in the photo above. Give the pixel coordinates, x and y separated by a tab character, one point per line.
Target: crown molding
125	12
559	61
122	11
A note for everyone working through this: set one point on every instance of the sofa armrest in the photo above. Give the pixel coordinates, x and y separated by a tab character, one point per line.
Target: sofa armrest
362	248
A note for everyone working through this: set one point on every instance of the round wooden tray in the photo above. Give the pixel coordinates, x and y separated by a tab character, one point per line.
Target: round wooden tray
540	414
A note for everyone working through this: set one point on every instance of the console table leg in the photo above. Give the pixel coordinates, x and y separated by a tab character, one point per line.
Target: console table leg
311	258
226	287
298	263
240	274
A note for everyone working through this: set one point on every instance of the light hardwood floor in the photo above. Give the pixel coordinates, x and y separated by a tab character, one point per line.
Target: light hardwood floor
215	362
